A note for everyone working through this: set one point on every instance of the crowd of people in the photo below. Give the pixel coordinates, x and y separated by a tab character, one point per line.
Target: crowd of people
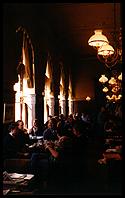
62	151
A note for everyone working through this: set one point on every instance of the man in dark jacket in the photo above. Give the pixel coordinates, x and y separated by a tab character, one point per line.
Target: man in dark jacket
10	144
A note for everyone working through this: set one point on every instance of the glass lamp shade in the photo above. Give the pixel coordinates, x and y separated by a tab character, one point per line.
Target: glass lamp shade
108	97
103	79
119	96
98	39
106	50
105	89
112	81
88	98
120	77
114	97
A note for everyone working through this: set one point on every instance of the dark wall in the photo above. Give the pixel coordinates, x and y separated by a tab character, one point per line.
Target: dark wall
85	72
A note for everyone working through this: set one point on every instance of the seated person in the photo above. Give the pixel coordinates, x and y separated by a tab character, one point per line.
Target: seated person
55	160
110	125
60	160
50	133
46	124
79	149
22	137
36	129
63	144
10	145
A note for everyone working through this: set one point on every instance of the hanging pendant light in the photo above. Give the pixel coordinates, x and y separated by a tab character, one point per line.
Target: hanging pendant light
112	81
120	77
98	39
106	50
107	54
103	79
105	89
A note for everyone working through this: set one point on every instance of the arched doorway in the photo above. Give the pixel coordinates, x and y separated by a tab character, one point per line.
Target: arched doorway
48	95
25	96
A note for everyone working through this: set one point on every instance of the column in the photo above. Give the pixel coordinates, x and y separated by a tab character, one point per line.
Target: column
51	105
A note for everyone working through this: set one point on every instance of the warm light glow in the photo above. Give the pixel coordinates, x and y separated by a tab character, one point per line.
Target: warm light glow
103	78
114	97
25	97
61	82
62	97
106	53
48	102
24	57
62	102
98	39
47	70
88	98
120	77
47	91
115	89
119	96
17	112
112	81
70	97
108	97
106	50
105	89
16	87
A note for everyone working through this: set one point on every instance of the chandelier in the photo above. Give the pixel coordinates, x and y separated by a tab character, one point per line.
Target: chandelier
112	86
109	55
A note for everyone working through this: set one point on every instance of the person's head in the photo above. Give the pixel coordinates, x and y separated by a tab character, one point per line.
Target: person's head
102	109
20	124
49	117
13	128
36	123
77	128
70	118
50	124
61	117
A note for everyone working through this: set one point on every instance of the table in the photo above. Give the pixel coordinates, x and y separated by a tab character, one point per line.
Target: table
35	137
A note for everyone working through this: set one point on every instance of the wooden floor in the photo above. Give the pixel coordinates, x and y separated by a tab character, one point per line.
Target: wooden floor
96	182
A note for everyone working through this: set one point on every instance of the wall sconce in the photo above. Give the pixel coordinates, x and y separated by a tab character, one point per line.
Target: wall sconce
88	98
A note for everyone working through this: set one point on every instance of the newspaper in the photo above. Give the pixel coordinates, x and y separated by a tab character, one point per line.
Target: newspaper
13	178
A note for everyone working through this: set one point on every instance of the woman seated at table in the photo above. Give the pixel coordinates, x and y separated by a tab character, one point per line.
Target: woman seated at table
50	133
55	161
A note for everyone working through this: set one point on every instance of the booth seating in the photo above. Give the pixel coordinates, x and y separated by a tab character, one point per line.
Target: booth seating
17	165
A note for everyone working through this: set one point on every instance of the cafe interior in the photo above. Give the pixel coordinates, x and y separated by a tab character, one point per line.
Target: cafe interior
62	89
